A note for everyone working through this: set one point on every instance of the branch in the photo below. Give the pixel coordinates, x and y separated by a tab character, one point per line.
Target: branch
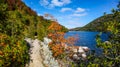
116	58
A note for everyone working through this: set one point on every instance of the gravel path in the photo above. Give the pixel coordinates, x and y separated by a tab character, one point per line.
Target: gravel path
35	57
40	55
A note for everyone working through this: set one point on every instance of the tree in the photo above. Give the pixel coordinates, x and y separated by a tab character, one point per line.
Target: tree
110	48
57	39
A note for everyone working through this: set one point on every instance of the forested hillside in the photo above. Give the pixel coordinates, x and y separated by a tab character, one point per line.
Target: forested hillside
17	21
15	14
97	24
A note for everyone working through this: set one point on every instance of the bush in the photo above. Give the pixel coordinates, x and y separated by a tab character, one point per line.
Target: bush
13	52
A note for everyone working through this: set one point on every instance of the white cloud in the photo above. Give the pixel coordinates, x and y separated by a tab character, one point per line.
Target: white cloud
54	3
66	9
71	21
79	10
79	14
76	11
60	2
44	2
74	24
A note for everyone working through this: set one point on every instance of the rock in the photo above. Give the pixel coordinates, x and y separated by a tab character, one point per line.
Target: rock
80	50
47	54
29	41
75	56
84	55
85	48
74	50
66	46
46	40
41	55
107	42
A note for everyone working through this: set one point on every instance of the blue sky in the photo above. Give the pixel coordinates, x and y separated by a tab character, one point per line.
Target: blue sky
72	13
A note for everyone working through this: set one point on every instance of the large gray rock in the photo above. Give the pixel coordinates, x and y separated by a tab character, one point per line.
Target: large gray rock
49	60
47	40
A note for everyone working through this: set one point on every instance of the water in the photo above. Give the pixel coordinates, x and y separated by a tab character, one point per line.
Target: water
87	38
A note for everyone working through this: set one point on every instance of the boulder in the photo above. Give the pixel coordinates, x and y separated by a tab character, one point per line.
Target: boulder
107	42
47	40
74	50
75	56
84	55
85	48
80	50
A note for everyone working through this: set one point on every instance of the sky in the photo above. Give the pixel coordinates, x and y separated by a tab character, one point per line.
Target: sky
72	13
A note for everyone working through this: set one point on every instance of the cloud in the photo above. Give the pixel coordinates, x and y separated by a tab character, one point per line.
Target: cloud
75	12
60	3
74	24
66	9
79	14
54	3
79	10
72	20
44	2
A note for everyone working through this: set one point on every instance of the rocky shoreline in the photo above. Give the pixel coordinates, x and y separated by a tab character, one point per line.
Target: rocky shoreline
41	55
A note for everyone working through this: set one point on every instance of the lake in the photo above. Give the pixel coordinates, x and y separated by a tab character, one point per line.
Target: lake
87	38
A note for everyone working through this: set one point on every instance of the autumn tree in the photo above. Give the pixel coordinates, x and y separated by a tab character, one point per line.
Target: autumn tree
59	42
57	39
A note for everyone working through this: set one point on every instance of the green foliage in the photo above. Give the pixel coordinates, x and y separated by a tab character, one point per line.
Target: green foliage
18	21
111	48
111	53
3	15
97	24
13	52
40	31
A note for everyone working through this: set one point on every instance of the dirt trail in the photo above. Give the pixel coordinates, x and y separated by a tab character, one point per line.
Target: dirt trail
35	57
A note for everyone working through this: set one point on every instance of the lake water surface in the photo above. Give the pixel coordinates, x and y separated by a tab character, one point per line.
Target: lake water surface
87	38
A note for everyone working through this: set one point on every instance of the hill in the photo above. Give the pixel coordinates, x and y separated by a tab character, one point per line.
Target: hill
15	15
18	21
95	25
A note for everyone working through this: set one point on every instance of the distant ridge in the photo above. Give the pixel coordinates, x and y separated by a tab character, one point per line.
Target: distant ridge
95	25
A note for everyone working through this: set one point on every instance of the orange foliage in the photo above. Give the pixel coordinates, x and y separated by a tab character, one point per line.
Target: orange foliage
58	41
57	50
57	37
1	53
2	42
71	40
2	38
50	16
55	26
